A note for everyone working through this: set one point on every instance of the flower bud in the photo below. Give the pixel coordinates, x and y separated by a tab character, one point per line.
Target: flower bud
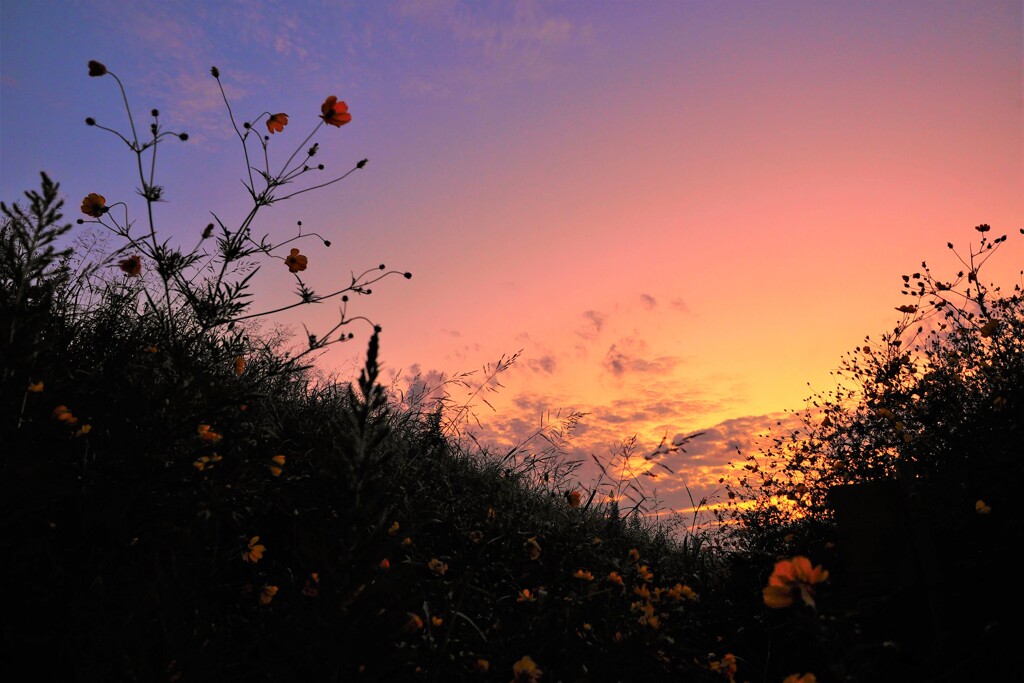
96	69
215	72
90	121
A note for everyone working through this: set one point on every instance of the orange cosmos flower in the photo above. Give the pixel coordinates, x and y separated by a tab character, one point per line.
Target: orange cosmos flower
725	666
36	387
574	499
277	122
526	671
634	555
526	596
207	434
335	113
800	678
94	205
62	414
414	623
481	666
616	578
295	261
254	551
982	508
132	266
436	622
790	578
393	529
532	548
277	465
586	576
267	594
437	566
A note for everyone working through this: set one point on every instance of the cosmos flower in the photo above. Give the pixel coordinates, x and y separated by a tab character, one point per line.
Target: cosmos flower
94	205
254	551
526	671
132	266
295	261
791	578
277	122
335	113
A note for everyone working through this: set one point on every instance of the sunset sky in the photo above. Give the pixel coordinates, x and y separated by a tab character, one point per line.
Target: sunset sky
682	213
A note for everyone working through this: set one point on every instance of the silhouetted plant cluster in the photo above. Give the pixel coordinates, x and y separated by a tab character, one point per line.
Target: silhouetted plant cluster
186	500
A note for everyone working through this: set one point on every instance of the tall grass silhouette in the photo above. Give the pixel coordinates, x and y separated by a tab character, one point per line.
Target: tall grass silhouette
185	500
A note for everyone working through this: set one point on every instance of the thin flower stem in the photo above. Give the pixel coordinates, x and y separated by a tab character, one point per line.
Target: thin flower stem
317	187
245	149
303	144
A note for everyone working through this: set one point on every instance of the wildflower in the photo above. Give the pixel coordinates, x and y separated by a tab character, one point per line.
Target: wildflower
681	592
83	430
277	122
36	387
406	542
532	548
643	591
596	540
384	564
526	596
311	587
436	622
295	261
62	414
254	551
239	365
634	555
413	624
481	666
437	566
491	514
151	349
800	678
393	529
94	205
791	577
476	536
132	266
981	508
267	594
277	465
725	666
574	498
585	575
643	573
525	670
335	113
96	69
616	578
618	637
207	434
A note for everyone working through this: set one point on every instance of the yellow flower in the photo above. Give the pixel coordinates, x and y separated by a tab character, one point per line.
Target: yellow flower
94	205
586	576
526	670
800	678
437	566
981	508
254	552
207	434
36	387
267	594
790	578
532	548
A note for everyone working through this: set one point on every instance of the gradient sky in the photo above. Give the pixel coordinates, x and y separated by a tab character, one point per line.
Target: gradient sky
682	213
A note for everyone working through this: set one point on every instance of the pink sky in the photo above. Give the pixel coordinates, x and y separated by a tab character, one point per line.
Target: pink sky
683	213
